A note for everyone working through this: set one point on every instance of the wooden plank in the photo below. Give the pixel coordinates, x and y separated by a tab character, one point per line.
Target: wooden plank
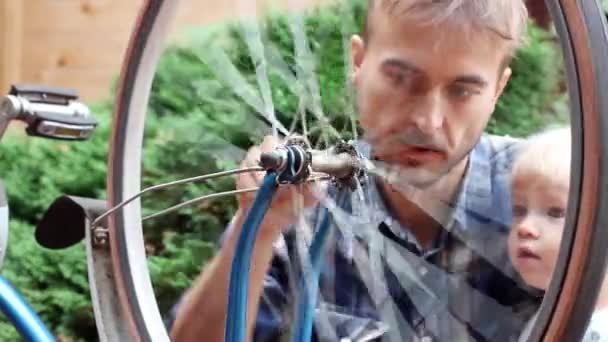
81	43
11	26
77	43
91	83
86	15
73	49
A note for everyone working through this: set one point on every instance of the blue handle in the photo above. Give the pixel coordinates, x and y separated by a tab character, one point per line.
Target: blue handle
236	321
20	313
310	283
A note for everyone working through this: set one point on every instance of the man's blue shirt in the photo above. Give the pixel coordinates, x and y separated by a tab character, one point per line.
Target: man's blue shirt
378	283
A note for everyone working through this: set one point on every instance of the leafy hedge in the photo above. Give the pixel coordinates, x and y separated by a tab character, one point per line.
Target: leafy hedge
191	116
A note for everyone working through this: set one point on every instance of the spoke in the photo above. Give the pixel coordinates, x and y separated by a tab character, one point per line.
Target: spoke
174	183
229	74
211	196
197	200
252	36
305	73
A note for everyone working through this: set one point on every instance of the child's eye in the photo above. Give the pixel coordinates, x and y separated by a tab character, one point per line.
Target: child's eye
556	212
519	210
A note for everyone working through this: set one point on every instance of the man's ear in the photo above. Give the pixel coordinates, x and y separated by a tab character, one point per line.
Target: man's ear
357	52
502	82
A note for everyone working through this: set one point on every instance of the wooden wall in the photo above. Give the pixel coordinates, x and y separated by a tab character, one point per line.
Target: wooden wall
80	43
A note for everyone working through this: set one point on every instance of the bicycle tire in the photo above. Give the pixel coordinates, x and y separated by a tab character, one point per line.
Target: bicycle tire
569	301
580	269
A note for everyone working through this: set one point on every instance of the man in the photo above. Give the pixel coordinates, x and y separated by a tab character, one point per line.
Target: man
427	261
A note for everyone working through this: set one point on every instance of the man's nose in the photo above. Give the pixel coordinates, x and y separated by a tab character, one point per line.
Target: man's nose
526	229
427	115
422	112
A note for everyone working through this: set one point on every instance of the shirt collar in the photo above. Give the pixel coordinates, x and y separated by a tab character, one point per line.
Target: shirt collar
475	194
476	187
485	191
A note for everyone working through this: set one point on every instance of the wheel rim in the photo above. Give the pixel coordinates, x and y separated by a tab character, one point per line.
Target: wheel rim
127	245
581	262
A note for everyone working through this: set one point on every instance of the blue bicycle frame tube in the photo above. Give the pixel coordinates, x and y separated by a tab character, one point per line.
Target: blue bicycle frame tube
22	316
236	320
309	284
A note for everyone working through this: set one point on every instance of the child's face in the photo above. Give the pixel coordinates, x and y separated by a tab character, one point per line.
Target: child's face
539	210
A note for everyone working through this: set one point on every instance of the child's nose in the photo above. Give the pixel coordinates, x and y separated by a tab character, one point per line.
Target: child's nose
526	229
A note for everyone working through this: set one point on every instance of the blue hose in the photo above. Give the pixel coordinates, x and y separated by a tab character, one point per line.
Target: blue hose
22	316
309	284
236	321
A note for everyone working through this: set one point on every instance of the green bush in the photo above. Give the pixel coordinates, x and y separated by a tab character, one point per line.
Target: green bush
533	97
198	125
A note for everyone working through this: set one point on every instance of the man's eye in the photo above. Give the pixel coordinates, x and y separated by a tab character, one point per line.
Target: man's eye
556	212
460	91
397	78
519	211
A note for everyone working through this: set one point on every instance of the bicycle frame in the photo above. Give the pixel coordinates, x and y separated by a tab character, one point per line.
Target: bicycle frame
21	314
289	164
239	274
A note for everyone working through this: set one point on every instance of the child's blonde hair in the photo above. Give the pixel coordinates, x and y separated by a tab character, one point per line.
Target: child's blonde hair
547	153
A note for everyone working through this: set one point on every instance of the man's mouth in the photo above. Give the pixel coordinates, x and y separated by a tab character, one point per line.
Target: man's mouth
414	155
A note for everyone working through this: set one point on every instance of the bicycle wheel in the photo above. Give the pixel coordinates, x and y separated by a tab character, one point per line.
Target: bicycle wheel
568	303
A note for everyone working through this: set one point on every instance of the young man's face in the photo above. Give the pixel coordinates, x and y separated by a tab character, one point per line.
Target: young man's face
425	94
539	211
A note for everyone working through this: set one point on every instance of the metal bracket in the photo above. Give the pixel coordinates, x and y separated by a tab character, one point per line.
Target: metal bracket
110	320
69	221
100	236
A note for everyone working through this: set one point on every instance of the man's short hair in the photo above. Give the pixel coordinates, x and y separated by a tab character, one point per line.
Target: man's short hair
506	19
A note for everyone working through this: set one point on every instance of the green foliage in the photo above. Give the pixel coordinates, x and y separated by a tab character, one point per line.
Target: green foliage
172	269
199	123
533	96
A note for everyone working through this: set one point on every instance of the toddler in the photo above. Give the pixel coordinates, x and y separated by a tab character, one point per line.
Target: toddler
540	181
